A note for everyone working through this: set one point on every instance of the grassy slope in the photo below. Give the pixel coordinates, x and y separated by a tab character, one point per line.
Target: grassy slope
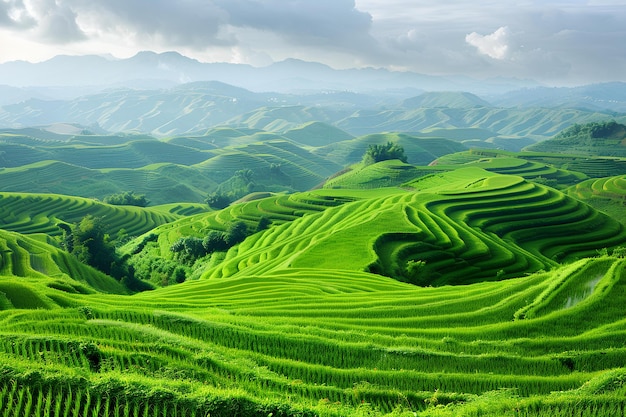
33	272
40	213
419	151
465	225
331	342
183	169
299	328
606	194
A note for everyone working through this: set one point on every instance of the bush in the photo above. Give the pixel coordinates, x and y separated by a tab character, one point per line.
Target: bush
215	242
218	201
378	153
127	198
237	232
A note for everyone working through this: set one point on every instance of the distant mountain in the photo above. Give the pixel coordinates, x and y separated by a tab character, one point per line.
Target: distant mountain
152	70
605	96
196	107
455	100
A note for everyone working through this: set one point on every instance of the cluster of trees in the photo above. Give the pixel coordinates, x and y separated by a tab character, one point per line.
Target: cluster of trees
377	153
218	200
127	198
89	242
240	184
190	248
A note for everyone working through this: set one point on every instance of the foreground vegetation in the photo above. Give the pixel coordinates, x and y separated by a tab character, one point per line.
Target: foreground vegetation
325	342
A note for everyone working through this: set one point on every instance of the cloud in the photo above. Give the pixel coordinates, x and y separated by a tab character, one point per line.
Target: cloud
546	39
199	25
193	23
56	23
494	45
13	14
329	22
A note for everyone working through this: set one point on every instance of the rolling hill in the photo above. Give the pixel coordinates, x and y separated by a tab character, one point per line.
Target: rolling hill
463	283
199	106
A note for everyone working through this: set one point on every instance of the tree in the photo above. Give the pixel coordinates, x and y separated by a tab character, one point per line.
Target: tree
180	275
215	242
91	245
128	198
377	153
218	201
236	233
88	241
264	223
191	247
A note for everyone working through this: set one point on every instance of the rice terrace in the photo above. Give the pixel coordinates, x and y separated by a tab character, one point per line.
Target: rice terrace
206	250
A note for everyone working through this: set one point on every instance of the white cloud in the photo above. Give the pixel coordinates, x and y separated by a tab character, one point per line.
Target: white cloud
494	45
544	39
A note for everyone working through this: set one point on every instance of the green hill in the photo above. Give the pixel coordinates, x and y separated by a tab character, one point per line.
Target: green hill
606	194
529	166
178	169
305	342
35	274
29	213
599	138
391	173
420	151
317	134
459	284
464	226
161	183
479	138
128	155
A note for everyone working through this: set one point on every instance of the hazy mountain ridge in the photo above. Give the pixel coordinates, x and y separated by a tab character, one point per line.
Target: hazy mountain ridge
198	106
290	75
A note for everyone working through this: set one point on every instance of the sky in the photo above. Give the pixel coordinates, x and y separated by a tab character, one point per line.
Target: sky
557	42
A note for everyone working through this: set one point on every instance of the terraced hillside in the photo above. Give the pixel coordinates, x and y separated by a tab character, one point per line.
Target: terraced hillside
419	151
464	226
601	138
309	342
28	213
466	288
36	274
183	169
605	194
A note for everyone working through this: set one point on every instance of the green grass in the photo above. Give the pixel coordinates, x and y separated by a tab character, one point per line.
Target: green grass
324	342
467	225
514	314
30	213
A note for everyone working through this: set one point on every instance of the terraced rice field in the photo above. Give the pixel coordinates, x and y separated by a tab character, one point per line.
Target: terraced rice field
514	313
466	226
29	213
613	188
328	342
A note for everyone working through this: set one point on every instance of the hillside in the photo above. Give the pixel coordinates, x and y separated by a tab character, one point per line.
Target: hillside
449	99
464	282
35	274
601	138
177	169
419	151
326	342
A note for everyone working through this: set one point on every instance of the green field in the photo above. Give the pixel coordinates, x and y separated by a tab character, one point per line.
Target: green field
482	283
